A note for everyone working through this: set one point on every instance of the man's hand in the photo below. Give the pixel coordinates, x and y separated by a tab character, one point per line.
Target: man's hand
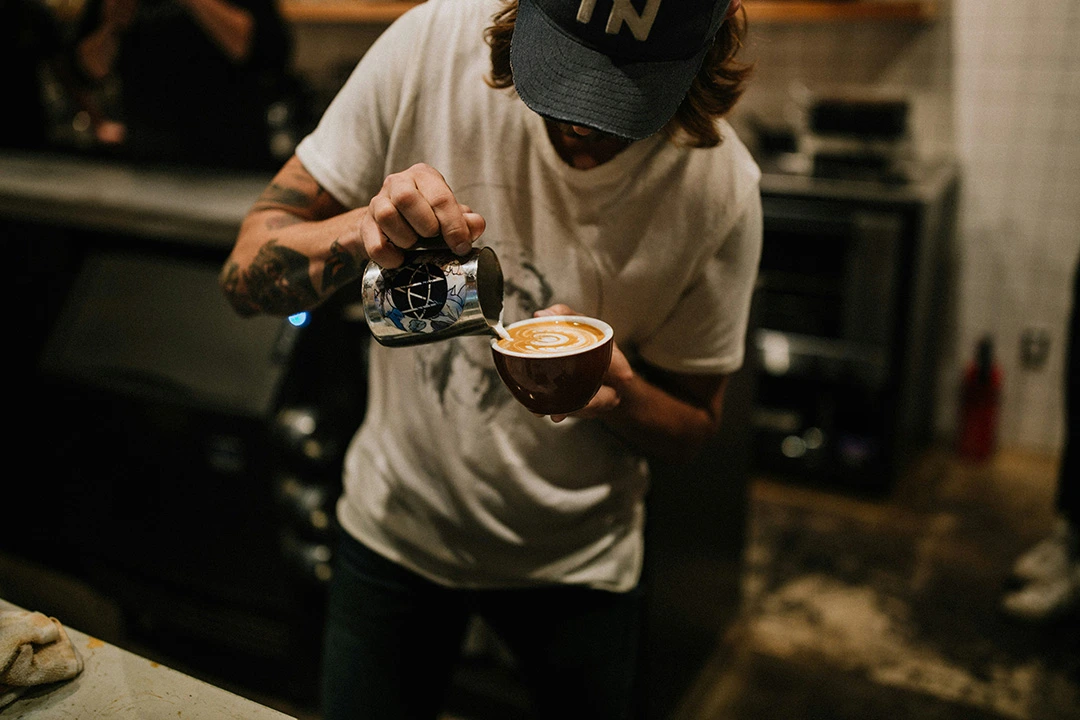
413	204
666	415
618	375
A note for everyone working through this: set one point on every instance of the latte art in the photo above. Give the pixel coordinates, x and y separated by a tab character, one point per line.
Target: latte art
554	364
550	338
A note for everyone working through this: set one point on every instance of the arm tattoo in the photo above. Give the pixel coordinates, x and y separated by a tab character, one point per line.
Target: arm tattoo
282	197
230	283
341	267
276	283
295	198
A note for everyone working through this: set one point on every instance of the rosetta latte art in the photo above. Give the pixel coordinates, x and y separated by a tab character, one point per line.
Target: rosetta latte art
557	336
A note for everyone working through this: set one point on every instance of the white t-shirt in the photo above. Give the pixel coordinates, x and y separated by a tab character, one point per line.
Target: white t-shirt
449	475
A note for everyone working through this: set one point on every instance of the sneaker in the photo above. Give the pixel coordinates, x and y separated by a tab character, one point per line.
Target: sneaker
1047	598
1049	558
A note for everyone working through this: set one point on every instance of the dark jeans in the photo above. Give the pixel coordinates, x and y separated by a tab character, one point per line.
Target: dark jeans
393	638
1068	498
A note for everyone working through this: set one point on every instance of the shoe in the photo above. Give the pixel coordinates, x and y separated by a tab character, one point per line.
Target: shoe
1048	558
1047	598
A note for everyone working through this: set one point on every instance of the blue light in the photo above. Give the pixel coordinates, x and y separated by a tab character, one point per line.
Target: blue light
300	319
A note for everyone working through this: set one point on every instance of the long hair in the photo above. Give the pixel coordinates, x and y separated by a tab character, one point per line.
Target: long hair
716	88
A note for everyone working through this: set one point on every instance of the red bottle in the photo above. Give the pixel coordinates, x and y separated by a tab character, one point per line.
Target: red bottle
980	398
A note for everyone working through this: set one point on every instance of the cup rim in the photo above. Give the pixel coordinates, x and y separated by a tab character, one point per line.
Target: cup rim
583	319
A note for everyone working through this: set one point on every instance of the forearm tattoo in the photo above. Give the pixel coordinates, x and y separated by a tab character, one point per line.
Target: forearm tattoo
341	267
277	282
300	197
281	197
230	282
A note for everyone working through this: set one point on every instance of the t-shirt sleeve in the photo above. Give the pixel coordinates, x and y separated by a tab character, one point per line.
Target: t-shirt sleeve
706	331
346	153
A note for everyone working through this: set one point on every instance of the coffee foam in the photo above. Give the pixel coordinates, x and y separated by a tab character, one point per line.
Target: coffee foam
552	337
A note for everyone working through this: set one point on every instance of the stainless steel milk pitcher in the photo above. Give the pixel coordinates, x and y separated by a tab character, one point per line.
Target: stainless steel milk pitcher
434	295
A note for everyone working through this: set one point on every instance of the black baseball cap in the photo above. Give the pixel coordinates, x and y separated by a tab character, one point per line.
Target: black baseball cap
619	66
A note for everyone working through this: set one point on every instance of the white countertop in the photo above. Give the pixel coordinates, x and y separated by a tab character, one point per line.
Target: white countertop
118	684
203	207
206	207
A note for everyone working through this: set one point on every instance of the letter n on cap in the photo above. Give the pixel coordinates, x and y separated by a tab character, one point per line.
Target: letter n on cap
622	11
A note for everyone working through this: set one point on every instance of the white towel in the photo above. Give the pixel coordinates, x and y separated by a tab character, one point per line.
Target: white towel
34	650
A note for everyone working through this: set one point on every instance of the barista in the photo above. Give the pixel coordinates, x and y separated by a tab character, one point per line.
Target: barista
195	77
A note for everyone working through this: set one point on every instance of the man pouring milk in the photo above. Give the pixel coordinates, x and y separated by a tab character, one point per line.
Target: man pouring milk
584	141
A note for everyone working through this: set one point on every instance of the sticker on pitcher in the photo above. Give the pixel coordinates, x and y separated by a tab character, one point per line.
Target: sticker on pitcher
422	298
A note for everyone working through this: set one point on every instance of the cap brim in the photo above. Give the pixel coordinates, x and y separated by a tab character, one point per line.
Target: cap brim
558	77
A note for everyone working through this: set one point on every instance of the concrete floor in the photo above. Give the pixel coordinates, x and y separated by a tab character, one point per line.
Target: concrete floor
856	607
866	608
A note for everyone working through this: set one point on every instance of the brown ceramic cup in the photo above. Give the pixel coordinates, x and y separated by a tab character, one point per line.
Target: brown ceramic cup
555	364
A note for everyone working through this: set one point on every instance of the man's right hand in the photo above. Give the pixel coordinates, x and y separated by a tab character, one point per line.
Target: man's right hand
413	204
298	244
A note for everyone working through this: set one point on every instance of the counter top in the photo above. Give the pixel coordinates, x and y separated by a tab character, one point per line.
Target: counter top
206	207
924	183
118	684
203	207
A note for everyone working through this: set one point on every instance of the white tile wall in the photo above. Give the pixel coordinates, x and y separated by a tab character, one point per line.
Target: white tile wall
997	83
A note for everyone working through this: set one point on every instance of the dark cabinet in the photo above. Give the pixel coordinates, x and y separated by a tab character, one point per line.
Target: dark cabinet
191	457
851	300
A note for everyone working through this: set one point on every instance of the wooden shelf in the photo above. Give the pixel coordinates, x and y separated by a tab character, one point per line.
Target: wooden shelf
345	11
384	12
758	11
803	11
